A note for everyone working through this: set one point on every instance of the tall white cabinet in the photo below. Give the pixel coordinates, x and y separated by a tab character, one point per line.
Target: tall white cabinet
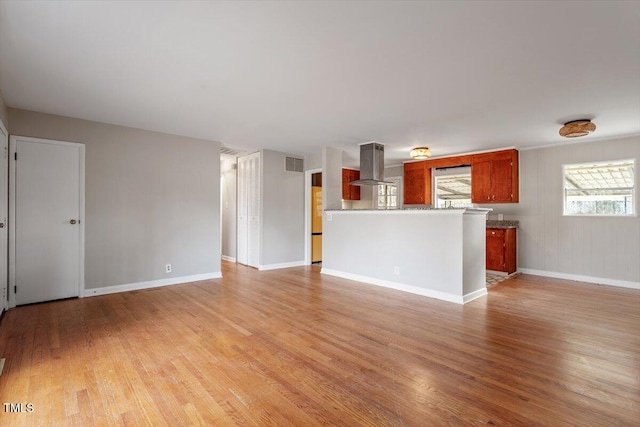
249	189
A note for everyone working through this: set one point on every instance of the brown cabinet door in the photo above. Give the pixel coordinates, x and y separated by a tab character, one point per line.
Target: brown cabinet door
413	187
510	255
495	250
417	184
346	188
494	177
355	189
350	192
481	182
501	181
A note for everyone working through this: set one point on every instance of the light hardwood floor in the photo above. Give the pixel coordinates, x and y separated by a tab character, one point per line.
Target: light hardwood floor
292	347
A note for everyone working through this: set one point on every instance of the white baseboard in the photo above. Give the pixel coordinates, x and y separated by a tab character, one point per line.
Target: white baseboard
228	258
579	278
474	295
281	265
407	288
92	292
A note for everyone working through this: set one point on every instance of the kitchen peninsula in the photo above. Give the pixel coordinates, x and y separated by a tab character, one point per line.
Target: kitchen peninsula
438	253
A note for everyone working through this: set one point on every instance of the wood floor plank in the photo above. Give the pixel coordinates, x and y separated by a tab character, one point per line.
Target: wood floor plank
294	347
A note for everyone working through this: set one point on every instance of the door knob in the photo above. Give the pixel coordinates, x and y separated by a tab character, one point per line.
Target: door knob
73	221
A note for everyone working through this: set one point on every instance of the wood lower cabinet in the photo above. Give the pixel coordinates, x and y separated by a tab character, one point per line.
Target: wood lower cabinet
501	249
494	177
417	183
350	192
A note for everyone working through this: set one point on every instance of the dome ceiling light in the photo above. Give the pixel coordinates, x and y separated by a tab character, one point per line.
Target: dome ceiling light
420	153
576	128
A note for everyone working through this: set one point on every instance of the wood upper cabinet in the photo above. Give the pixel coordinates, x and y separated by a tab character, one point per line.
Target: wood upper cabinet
417	183
350	192
501	249
494	177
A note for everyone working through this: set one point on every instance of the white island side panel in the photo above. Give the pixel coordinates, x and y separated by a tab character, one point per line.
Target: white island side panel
474	253
426	248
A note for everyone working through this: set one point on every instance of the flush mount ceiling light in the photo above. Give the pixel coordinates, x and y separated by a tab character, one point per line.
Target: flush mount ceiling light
420	153
577	128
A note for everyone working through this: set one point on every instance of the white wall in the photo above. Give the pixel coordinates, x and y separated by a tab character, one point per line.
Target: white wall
395	170
282	239
151	199
606	249
4	112
474	253
228	189
366	199
313	162
331	178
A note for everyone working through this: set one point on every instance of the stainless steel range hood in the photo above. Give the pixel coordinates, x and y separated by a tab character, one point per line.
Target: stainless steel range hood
371	165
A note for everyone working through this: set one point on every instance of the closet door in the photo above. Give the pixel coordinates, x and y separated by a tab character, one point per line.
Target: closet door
253	209
4	207
242	248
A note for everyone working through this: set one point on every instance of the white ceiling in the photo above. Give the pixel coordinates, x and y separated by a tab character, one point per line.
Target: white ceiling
296	76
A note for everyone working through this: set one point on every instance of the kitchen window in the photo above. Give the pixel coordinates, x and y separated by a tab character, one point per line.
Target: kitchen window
386	196
452	187
605	189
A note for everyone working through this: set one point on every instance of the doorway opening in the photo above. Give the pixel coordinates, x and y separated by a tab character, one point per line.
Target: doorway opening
316	218
309	184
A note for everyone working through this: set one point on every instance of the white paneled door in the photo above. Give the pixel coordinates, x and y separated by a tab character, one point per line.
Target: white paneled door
4	154
248	244
242	250
253	211
47	202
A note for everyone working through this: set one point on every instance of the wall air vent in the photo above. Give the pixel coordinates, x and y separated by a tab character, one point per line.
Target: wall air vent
294	165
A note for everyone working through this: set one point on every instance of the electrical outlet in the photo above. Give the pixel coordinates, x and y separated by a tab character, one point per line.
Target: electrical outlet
500	217
167	268
396	270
